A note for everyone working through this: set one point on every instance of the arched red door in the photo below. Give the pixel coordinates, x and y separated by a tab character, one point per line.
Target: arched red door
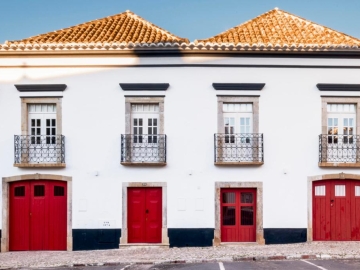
336	210
38	215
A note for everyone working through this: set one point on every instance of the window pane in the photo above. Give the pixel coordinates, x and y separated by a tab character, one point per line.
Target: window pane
59	191
38	122
53	122
44	108
246	197
243	107
140	122
232	121
154	130
247	215
39	191
335	122
228	215
346	121
155	122
150	122
330	122
32	122
20	191
47	122
228	197
146	108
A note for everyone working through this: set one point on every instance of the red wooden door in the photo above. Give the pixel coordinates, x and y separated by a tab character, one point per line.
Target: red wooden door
144	215
38	215
336	205
238	215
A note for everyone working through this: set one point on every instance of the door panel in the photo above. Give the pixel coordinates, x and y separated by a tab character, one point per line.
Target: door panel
19	229
336	210
238	215
144	215
38	220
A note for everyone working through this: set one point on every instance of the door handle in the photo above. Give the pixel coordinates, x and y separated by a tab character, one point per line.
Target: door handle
331	202
147	211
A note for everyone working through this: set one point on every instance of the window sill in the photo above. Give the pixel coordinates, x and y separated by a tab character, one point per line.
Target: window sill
339	165
40	165
143	164
246	163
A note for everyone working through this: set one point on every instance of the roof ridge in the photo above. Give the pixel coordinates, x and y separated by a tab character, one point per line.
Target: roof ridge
127	12
331	29
241	24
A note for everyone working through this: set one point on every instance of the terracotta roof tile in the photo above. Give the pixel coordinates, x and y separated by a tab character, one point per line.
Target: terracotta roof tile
280	27
124	27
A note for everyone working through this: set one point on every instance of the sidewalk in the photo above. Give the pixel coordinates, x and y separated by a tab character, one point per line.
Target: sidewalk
320	250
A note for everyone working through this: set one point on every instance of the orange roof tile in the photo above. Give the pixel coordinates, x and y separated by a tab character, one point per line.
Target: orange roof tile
278	27
124	27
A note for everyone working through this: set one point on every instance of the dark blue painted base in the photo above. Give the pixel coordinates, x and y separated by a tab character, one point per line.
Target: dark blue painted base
191	237
284	236
90	239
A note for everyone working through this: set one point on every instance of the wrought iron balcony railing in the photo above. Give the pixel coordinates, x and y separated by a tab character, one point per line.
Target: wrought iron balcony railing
339	148
39	149
239	147
143	148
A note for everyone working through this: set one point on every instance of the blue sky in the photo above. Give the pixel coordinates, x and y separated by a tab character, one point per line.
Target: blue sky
193	19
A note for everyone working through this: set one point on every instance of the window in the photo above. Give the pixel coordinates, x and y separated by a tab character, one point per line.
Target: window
238	140
41	141
340	137
144	142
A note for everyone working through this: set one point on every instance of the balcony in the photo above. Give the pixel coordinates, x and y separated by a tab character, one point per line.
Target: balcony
39	151
339	150
143	150
239	149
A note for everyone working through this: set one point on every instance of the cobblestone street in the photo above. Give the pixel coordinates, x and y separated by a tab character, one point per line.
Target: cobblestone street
248	252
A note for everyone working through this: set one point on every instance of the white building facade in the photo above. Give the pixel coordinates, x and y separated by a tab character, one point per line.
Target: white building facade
177	145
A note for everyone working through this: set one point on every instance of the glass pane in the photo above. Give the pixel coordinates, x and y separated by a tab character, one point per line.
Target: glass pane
133	108
328	108
232	121
38	122
242	121
31	108
246	197
249	107
346	121
340	107
228	197
247	215
140	130
226	130
39	191
53	122
225	107
47	122
149	130
243	107
44	108
47	131
38	108
33	131
345	131
335	121
53	132
247	121
237	107
150	122
140	122
226	121
155	122
242	129
59	191
247	129
32	122
20	191
352	108
155	130
346	107
38	132
351	122
228	215
135	122
146	108
231	107
333	107
330	122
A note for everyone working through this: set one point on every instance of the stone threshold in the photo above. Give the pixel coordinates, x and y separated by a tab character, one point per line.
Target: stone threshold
143	245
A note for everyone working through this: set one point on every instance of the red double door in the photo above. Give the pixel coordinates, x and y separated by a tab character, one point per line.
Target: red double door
144	215
238	215
336	210
38	215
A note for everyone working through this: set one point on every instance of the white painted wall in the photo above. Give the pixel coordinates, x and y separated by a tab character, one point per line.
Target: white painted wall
93	119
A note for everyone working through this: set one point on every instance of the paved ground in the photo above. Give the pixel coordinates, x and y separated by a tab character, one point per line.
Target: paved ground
240	254
251	265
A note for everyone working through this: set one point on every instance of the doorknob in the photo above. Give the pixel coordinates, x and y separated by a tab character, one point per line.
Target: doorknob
331	202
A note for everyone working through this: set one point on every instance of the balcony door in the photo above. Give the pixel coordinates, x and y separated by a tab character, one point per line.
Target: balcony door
42	139
145	127
238	130
341	127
